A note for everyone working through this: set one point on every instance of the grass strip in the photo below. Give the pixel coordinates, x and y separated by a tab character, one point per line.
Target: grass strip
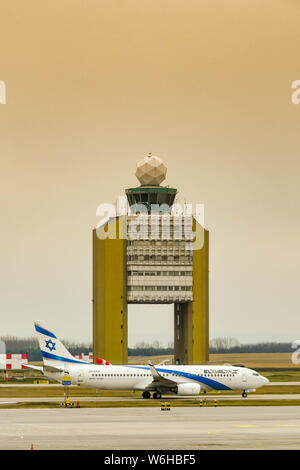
153	404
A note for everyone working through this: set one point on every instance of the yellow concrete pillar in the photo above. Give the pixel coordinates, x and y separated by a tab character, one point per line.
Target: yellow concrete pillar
200	304
110	328
191	319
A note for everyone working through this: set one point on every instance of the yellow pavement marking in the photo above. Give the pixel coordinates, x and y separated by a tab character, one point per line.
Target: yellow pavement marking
244	425
286	425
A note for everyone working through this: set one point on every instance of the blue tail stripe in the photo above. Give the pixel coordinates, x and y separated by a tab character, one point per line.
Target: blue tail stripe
44	332
60	358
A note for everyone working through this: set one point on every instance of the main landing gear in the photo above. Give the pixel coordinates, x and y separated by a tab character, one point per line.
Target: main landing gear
147	395
244	394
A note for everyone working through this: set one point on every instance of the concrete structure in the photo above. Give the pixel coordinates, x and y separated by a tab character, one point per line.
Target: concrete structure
150	256
110	330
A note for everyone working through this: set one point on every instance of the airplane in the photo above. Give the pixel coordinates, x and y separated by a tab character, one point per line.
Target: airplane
182	380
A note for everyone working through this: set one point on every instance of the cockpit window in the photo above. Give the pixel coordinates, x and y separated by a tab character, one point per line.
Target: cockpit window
255	373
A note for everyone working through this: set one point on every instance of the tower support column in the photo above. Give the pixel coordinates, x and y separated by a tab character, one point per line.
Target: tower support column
110	329
191	319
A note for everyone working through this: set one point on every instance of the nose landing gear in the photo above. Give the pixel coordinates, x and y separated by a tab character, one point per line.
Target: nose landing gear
244	394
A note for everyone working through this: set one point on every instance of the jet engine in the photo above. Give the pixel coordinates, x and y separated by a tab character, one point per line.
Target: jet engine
188	389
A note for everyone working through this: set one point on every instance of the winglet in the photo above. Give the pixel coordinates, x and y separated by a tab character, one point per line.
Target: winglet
162	363
154	372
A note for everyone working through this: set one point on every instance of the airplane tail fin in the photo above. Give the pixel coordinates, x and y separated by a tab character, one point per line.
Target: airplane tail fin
54	353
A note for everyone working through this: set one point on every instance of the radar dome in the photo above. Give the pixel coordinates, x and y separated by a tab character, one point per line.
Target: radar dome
151	171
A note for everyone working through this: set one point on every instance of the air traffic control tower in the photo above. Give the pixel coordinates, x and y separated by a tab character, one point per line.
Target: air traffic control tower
151	255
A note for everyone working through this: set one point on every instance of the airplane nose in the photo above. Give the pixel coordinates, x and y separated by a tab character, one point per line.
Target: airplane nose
266	381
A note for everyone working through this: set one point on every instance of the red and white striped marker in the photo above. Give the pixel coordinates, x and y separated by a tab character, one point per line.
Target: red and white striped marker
13	361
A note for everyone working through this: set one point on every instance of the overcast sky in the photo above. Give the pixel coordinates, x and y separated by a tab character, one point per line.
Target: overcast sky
92	87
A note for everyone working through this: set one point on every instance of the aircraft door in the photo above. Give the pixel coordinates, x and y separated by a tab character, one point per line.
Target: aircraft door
80	378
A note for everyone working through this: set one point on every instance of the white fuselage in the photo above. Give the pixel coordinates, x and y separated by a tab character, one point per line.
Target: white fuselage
138	377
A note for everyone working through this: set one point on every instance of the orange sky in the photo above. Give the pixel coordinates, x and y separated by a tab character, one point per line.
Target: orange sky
93	86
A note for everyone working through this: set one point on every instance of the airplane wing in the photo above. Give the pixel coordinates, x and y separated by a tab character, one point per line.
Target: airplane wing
159	380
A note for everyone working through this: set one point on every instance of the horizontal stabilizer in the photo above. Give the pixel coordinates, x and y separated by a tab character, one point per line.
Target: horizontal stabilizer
45	368
40	368
52	369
